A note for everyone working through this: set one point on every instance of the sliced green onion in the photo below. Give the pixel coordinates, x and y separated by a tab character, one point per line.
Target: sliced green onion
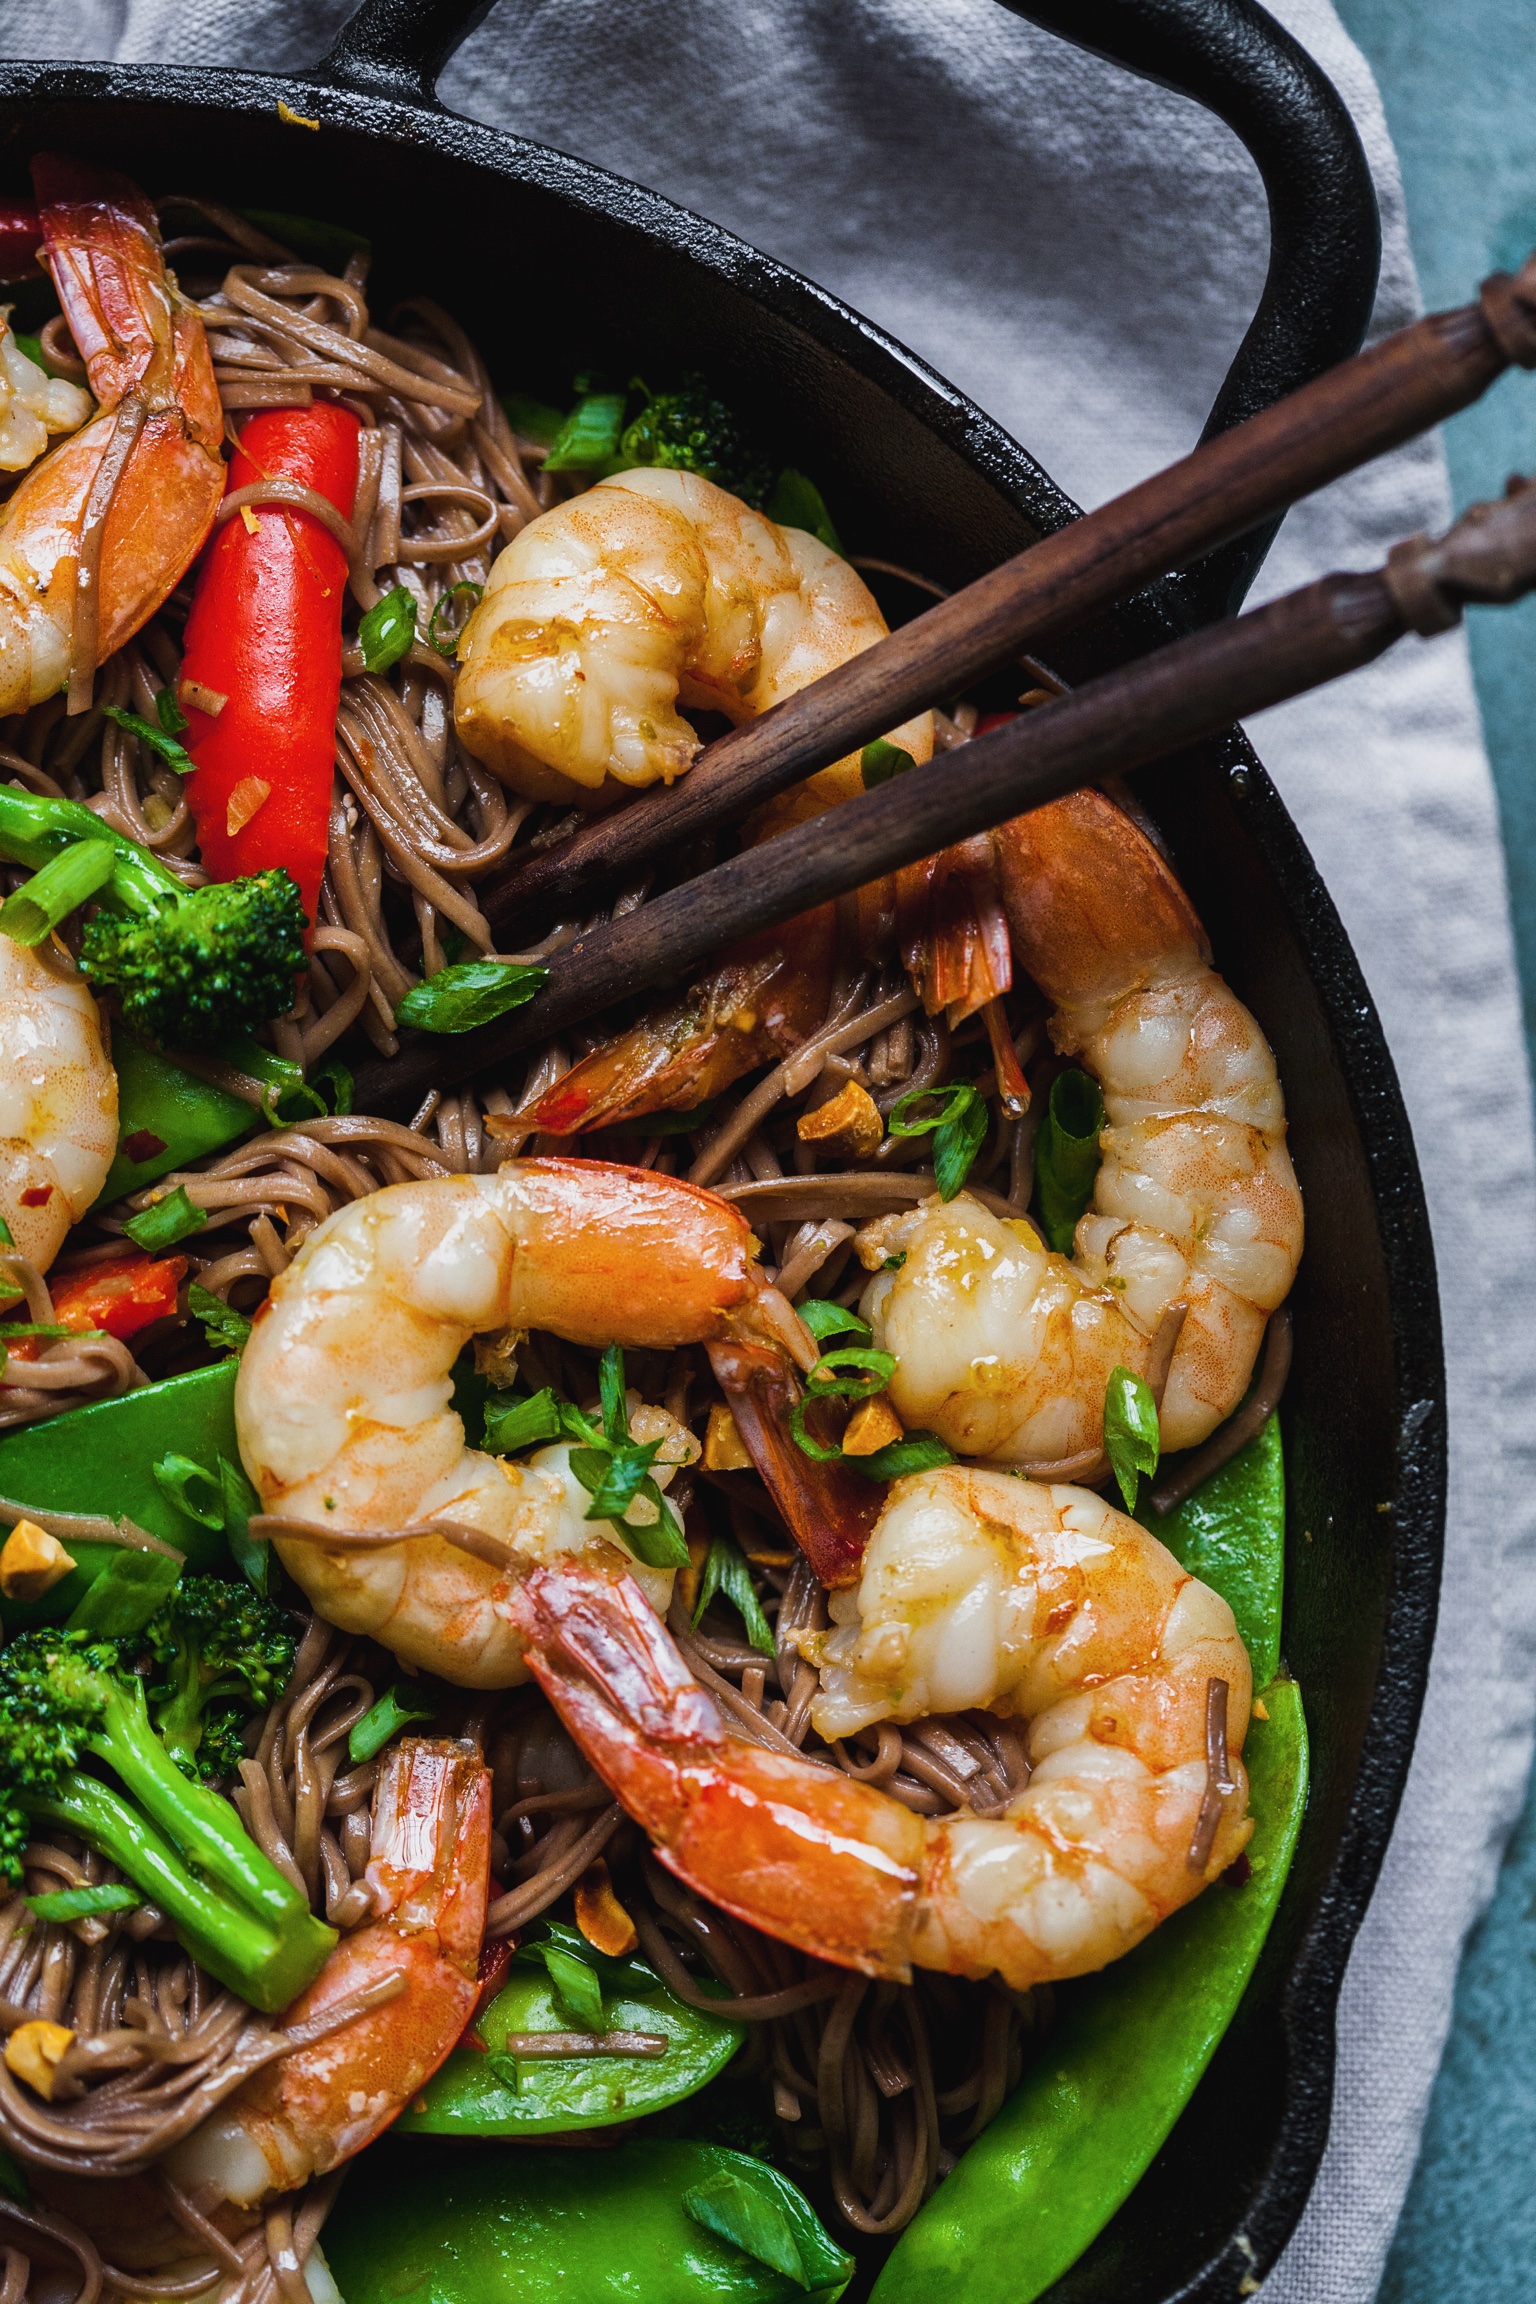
170	1218
475	992
590	434
445	642
880	761
177	1476
169	712
10	1328
225	1329
726	1570
824	1318
6	1240
534	419
130	1589
252	1555
851	1372
1067	1155
513	1424
913	1452
61	887
958	1124
610	1384
395	1710
84	1903
385	634
576	1983
173	754
1132	1439
797	502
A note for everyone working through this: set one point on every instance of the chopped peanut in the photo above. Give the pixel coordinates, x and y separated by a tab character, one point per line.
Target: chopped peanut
35	2050
31	1562
247	799
600	1916
874	1425
1260	1709
852	1119
724	1448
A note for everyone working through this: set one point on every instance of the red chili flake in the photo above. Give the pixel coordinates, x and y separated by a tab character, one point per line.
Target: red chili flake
142	1145
37	1196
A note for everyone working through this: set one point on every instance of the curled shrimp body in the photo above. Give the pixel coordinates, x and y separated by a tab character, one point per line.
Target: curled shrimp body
416	1960
343	1398
58	1098
100	531
654	588
1108	1650
1004	1348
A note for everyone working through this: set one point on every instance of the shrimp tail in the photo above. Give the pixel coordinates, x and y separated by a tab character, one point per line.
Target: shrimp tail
953	928
828	1510
768	994
416	1961
835	1873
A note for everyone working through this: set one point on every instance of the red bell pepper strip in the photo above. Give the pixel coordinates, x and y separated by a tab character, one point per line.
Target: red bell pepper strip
265	634
121	1295
21	236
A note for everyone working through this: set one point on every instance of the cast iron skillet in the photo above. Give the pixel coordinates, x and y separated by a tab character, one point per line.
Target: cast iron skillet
918	474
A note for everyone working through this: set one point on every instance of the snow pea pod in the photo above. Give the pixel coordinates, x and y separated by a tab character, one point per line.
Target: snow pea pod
166	1116
1086	2121
1231	1534
450	2226
101	1459
486	2092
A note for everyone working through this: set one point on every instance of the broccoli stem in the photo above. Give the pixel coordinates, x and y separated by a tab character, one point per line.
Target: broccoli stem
34	828
267	1965
202	1824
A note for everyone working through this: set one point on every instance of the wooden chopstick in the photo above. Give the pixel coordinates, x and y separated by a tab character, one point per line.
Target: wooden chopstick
1192	688
1357	411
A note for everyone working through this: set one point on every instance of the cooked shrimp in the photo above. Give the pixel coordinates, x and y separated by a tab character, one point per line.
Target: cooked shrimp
104	527
58	1098
1098	1639
342	1402
428	1874
32	404
654	588
1003	1348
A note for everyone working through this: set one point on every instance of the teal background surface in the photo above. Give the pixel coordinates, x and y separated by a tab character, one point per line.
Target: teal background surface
1458	78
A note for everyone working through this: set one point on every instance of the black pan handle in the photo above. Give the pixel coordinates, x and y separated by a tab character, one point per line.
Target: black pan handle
1324	229
1229	55
398	48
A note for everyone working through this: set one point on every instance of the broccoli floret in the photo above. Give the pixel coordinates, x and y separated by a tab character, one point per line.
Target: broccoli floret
692	431
211	962
68	1699
191	966
222	1652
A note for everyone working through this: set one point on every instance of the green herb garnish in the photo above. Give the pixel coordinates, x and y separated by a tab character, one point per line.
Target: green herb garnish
225	1329
824	1318
512	1423
129	1591
471	993
758	2211
177	1477
851	1372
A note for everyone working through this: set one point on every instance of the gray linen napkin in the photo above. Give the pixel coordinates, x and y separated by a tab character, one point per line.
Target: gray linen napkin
1081	253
